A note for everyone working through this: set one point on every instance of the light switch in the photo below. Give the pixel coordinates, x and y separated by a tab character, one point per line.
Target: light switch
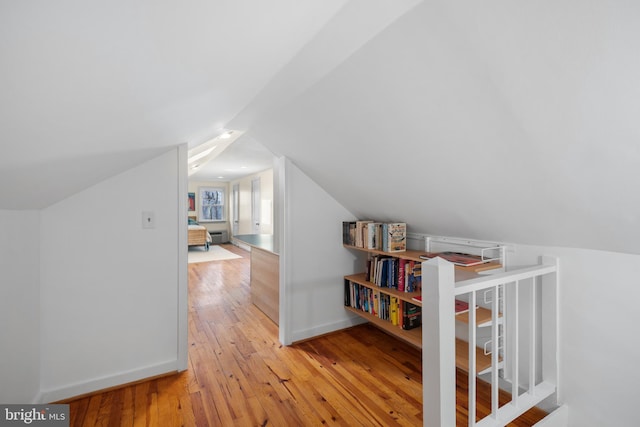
148	219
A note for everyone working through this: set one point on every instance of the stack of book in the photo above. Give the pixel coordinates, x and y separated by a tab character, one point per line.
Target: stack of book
395	273
383	306
369	234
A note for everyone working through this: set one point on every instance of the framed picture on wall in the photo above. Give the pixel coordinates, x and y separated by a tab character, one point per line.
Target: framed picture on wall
211	204
192	202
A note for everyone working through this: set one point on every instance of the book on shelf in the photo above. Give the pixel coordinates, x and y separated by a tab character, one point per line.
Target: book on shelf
417	298
385	300
411	316
361	226
370	234
457	258
349	233
401	274
394	310
396	237
461	306
413	276
394	273
374	235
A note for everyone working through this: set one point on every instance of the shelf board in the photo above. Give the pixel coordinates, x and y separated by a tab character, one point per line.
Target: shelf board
461	273
408	254
483	361
483	317
405	296
411	336
414	337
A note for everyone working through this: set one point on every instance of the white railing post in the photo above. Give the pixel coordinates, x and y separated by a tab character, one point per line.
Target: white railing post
513	356
551	327
471	378
534	287
438	343
495	352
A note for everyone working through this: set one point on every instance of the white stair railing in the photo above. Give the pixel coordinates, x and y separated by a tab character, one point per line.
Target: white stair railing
524	308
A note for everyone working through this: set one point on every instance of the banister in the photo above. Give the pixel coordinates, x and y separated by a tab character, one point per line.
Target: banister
494	279
438	335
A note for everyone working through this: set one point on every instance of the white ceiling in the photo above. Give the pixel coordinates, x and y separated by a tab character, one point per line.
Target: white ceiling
500	120
508	121
245	156
91	88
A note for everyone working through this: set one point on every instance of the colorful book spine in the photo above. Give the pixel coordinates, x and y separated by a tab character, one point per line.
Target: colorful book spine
394	310
401	275
412	316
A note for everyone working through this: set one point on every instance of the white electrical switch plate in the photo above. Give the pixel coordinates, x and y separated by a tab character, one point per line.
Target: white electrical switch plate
148	219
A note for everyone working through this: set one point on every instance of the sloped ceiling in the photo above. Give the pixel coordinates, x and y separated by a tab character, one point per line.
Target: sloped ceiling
502	120
497	120
92	88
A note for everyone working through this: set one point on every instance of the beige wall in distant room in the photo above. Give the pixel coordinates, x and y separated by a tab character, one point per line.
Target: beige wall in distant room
212	226
266	196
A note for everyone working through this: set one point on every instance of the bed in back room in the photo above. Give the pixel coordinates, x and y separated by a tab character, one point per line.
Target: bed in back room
198	234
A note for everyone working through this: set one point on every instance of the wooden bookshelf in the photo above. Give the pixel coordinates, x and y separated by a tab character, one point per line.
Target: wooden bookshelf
461	273
408	254
414	336
411	336
404	296
483	361
483	317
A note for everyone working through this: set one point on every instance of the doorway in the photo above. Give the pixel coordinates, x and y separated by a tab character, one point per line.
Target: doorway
236	209
256	201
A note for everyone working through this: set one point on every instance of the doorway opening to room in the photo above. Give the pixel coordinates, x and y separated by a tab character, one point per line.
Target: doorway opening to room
231	197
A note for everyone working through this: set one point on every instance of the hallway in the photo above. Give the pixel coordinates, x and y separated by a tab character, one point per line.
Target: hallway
240	375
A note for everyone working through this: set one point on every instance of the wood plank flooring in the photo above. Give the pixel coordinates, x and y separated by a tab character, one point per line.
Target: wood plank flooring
240	375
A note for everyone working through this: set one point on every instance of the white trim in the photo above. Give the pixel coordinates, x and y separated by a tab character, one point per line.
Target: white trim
183	305
96	384
284	233
304	334
557	418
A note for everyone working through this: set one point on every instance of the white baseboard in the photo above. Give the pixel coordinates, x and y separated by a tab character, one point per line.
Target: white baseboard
97	384
557	418
305	334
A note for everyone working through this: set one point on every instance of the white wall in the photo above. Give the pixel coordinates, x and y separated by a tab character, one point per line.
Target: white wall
19	306
313	261
524	110
109	288
266	197
598	352
599	349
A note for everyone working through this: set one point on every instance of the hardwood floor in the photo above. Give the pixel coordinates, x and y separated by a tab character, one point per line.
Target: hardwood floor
240	375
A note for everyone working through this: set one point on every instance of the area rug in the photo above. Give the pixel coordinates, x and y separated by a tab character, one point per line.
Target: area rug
215	253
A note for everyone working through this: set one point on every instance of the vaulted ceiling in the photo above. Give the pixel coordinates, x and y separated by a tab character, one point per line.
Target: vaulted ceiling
508	121
501	120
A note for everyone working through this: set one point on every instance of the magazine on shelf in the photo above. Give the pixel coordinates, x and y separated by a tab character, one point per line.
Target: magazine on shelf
461	306
457	258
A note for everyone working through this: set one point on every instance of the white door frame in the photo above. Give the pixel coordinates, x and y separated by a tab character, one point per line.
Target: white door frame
255	206
183	284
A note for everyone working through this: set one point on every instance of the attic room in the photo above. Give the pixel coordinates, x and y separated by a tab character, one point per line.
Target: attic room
512	122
